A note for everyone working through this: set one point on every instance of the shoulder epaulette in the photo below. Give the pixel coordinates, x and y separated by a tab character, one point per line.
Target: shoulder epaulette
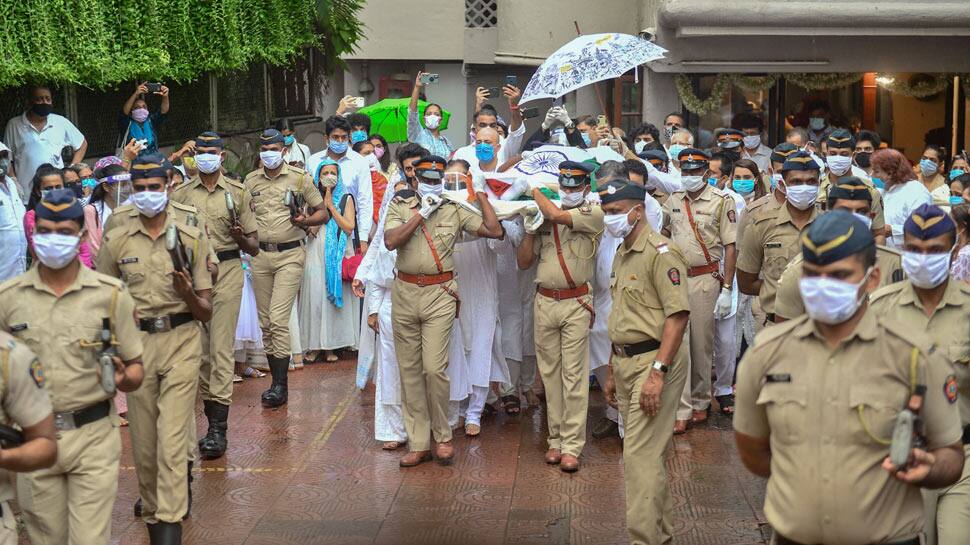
886	291
109	280
776	332
887	250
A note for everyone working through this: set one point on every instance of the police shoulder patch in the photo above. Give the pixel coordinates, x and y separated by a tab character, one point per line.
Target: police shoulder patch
674	275
951	389
732	216
37	373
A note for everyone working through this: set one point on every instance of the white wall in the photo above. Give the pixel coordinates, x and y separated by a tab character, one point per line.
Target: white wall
412	29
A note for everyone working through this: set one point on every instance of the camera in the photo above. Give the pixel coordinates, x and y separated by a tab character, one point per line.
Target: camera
153	87
359	102
429	78
649	34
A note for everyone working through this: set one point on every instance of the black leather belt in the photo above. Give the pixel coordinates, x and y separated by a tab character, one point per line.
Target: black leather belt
966	434
635	349
227	255
781	540
73	420
162	324
280	246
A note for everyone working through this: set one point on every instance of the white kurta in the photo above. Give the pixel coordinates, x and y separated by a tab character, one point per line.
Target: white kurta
13	258
599	338
511	298
476	268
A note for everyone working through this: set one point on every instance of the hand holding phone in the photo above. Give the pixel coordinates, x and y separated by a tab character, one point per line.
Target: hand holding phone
359	102
153	87
429	78
512	80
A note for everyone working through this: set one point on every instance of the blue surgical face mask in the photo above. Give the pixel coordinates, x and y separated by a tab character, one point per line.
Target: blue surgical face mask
484	152
928	167
743	187
712	181
955	200
955	173
338	147
358	136
878	183
586	139
288	140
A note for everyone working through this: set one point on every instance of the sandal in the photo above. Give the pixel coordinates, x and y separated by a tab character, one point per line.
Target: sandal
726	403
488	410
252	372
511	404
393	445
332	358
236	378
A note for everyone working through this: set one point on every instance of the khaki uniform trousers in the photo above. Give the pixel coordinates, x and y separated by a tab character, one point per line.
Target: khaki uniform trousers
703	291
215	377
160	415
276	281
70	502
648	501
8	526
948	510
562	356
423	318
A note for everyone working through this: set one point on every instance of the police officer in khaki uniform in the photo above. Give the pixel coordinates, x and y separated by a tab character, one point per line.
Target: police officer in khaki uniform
648	368
565	246
278	269
818	399
853	196
61	310
23	402
775	197
228	232
771	240
840	147
703	225
168	303
423	229
934	306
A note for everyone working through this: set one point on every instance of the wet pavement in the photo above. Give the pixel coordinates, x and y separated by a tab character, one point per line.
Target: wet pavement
311	473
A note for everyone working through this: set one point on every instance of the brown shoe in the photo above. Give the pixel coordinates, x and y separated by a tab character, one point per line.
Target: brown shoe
444	452
680	427
472	430
414	458
699	417
553	456
569	463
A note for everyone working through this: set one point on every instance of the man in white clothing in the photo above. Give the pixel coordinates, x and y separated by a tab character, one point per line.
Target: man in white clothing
487	118
13	258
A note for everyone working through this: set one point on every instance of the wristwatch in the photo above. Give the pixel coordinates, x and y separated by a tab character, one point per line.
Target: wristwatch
660	366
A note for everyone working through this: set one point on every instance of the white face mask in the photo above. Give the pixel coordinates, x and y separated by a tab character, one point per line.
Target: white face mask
271	159
752	141
432	121
429	189
778	178
149	203
816	123
692	183
207	163
638	146
838	164
56	251
618	225
830	301
570	200
864	219
926	270
801	197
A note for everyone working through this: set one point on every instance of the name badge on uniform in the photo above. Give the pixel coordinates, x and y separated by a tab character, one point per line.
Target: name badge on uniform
129	260
18	327
773	245
254	193
675	209
778	377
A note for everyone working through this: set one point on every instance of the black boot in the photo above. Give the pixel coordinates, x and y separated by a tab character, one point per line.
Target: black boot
277	393
188	485
213	445
165	533
138	508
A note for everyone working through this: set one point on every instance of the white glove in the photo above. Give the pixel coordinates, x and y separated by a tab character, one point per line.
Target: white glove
478	182
533	221
563	116
723	306
551	119
518	187
429	204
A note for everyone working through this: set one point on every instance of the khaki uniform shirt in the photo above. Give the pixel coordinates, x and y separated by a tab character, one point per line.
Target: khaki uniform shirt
65	331
211	205
788	299
879	217
766	202
444	225
24	401
947	329
578	243
127	252
770	242
648	284
183	213
716	219
272	216
827	483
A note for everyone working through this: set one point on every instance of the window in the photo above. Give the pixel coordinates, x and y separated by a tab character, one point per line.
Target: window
626	103
481	13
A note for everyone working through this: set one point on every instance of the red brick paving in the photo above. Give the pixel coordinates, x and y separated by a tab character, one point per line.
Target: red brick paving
311	473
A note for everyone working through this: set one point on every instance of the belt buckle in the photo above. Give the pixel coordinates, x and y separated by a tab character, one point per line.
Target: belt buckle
272	247
162	324
423	281
64	421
